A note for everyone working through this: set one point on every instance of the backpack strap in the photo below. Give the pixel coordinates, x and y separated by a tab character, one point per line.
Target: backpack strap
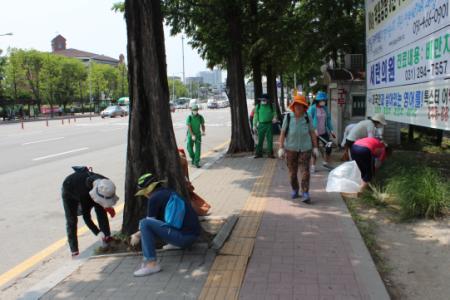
288	120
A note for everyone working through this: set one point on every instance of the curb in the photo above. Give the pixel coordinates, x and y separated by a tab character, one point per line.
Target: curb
48	283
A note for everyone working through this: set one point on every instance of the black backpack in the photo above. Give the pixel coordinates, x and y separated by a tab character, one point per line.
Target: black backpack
288	120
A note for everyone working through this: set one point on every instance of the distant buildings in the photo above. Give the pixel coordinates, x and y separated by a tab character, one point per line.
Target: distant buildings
194	80
214	77
59	48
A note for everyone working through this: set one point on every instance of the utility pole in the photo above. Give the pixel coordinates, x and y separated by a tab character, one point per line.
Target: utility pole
182	53
90	86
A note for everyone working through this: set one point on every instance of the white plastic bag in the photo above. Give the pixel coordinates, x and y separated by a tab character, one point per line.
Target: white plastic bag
345	179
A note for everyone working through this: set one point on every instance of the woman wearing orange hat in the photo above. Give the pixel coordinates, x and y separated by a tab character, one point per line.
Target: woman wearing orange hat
297	140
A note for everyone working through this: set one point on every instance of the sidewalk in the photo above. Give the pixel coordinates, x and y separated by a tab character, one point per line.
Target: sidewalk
279	248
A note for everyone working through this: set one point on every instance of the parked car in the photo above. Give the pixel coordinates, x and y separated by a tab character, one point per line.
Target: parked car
223	103
193	102
126	108
113	111
181	103
172	106
212	104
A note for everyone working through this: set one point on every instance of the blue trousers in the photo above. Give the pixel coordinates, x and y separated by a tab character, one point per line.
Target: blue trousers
151	228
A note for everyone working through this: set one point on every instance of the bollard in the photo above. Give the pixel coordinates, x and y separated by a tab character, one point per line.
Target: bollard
62	121
46	122
69	120
74	119
21	124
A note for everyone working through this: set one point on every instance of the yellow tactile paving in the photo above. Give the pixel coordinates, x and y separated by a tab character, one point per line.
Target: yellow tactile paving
228	270
238	246
246	227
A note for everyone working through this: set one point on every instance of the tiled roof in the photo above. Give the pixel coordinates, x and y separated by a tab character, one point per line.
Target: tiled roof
83	54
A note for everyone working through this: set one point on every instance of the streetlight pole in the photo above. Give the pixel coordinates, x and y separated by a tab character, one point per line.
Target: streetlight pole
182	53
90	86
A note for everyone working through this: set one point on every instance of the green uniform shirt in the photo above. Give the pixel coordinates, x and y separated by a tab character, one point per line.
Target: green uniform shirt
195	122
299	135
264	113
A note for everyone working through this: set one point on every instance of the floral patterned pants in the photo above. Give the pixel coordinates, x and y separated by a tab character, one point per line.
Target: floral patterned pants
295	159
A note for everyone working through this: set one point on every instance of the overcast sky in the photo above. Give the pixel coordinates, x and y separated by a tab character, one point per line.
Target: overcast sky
87	25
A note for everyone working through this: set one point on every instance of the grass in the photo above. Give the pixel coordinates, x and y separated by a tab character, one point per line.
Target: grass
410	181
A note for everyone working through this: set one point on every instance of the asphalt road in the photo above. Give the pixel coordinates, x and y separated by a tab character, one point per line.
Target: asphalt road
35	160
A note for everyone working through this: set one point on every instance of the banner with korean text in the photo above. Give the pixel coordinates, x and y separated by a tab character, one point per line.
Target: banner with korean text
408	61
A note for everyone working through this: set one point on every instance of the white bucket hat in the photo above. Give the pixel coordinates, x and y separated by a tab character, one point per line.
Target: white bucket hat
379	118
104	193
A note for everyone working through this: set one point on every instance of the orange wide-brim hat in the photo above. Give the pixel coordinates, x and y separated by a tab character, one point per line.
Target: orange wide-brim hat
299	99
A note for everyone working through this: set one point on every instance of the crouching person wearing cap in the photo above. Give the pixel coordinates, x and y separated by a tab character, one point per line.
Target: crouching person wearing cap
169	218
82	191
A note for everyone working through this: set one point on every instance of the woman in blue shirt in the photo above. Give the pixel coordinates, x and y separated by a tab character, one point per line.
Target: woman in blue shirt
297	139
321	120
154	225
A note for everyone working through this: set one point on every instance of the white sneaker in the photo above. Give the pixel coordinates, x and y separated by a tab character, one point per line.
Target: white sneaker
145	271
170	247
312	169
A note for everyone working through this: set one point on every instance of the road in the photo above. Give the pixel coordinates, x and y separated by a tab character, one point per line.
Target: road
35	160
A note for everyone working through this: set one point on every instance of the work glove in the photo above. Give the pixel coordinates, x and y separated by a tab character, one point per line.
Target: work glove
110	211
281	153
316	152
135	239
193	138
274	120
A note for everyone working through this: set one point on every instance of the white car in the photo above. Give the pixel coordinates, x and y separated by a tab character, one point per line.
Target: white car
113	111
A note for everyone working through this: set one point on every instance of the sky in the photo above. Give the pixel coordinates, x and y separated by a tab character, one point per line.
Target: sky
87	25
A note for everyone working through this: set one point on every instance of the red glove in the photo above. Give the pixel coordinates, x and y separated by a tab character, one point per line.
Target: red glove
110	211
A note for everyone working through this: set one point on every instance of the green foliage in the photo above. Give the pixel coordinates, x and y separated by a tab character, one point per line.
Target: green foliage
419	189
421	192
177	89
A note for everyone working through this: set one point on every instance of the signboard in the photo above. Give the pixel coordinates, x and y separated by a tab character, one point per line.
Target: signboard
408	60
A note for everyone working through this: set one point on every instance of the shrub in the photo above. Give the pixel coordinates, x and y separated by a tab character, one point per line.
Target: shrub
420	192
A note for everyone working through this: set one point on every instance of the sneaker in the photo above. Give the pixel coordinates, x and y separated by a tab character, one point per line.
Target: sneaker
258	156
197	165
327	166
312	169
295	194
168	247
145	271
306	197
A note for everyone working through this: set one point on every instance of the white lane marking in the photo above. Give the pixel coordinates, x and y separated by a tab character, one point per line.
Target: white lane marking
43	141
60	154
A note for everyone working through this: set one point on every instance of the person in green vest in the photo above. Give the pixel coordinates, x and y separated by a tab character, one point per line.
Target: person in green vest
196	128
264	116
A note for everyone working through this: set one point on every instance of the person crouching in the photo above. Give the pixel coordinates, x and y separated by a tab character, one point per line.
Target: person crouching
181	231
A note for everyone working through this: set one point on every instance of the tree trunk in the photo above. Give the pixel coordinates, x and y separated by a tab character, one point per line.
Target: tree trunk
283	107
272	88
411	134
257	81
151	140
241	137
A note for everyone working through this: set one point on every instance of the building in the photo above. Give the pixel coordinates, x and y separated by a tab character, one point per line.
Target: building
346	87
176	78
59	48
214	77
194	80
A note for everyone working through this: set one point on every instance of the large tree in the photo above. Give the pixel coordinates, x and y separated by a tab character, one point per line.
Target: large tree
151	140
216	30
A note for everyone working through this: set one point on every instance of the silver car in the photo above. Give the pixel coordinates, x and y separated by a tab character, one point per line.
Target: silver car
113	111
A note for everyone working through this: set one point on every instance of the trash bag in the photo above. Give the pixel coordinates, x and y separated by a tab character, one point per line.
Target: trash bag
345	179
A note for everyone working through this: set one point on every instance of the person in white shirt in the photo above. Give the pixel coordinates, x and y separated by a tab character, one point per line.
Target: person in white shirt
365	128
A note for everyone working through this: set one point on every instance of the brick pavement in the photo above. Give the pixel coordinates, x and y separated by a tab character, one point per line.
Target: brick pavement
226	186
309	251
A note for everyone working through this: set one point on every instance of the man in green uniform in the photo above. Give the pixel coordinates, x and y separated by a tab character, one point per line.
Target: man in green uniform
264	116
195	122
